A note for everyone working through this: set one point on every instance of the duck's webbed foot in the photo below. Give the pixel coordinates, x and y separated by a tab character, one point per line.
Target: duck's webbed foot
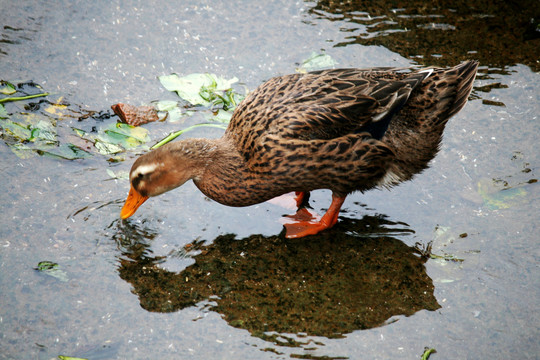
306	223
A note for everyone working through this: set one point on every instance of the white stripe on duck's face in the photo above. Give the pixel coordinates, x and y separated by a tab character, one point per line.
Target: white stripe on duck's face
143	170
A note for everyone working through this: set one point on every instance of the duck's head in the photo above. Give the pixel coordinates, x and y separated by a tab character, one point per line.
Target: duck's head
153	174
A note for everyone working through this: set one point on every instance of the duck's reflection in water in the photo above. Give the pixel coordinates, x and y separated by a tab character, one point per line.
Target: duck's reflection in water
326	285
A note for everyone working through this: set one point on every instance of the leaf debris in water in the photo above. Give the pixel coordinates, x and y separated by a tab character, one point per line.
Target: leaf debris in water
201	89
316	62
427	353
7	88
3	112
207	90
40	137
52	269
496	197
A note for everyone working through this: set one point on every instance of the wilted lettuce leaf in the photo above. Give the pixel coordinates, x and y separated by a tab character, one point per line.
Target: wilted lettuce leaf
197	88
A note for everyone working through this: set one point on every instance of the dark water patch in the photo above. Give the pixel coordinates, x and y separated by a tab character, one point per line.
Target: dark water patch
499	34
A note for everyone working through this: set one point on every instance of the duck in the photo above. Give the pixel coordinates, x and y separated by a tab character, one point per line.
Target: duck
345	130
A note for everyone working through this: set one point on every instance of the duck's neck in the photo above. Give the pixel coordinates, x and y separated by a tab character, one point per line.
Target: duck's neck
219	171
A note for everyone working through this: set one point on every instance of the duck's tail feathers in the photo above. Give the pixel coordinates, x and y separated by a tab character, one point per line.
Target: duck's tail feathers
416	133
466	72
440	94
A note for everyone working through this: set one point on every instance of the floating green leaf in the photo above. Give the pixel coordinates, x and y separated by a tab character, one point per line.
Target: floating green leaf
221	116
16	130
127	134
43	130
65	151
63	357
22	151
52	269
107	148
3	112
78	132
315	62
187	87
175	113
7	88
165	105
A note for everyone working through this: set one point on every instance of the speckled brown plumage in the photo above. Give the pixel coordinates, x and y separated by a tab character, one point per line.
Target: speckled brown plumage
345	130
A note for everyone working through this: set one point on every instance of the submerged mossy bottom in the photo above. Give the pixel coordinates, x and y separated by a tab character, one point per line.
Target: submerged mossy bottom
326	285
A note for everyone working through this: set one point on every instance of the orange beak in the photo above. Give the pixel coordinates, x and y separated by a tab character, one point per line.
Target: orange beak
133	201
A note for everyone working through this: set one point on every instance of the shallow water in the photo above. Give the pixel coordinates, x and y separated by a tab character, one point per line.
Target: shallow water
187	277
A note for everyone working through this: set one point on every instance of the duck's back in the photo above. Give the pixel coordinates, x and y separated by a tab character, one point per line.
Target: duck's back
321	105
347	129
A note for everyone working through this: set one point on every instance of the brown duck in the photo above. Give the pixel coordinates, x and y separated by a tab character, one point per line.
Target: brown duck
345	130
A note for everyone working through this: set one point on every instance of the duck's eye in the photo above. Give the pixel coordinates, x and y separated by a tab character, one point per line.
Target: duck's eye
137	177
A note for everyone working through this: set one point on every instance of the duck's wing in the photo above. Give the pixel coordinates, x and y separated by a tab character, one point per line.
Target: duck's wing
323	105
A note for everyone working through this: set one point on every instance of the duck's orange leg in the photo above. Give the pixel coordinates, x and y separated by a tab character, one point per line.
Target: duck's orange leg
301	197
305	224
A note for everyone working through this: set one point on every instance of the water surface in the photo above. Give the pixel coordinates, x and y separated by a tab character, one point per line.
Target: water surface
189	278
